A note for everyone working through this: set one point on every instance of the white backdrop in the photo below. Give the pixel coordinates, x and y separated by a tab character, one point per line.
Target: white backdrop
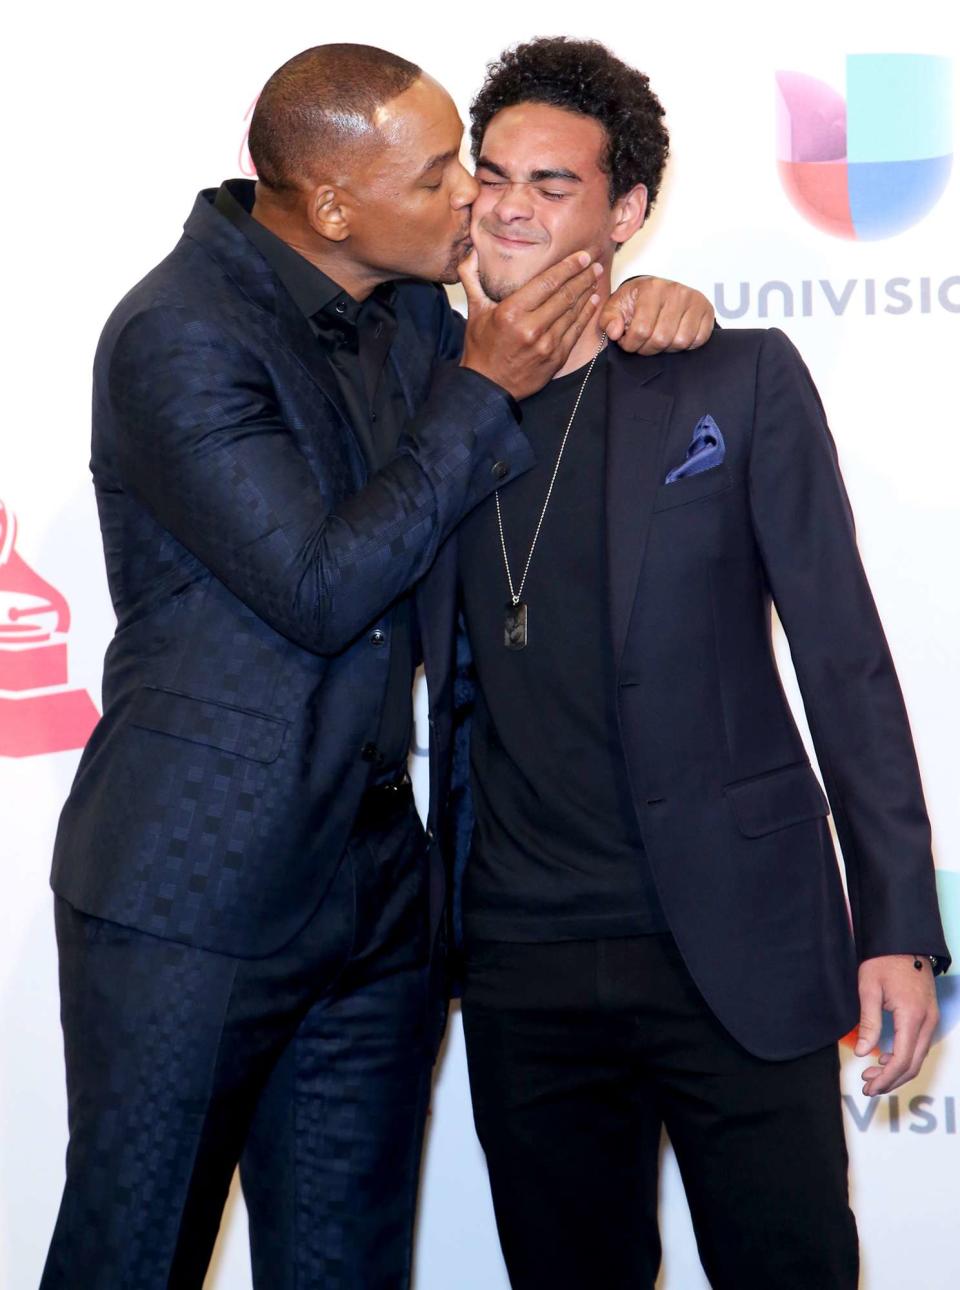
115	115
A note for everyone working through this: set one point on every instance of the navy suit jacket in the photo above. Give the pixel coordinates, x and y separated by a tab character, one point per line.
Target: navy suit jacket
249	557
732	816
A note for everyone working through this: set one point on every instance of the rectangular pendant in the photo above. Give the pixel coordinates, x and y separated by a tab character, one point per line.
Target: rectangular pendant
515	626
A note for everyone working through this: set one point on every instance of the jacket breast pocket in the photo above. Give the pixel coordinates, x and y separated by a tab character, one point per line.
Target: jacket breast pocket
694	488
253	735
777	799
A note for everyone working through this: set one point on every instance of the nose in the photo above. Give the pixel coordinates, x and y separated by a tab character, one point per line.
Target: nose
513	203
465	189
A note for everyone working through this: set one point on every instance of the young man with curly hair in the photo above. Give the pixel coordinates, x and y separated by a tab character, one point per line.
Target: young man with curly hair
655	928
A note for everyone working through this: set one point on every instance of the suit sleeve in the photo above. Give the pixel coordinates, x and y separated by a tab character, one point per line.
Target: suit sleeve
852	698
452	330
203	445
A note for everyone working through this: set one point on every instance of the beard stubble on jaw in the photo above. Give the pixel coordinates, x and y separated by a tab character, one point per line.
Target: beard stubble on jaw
497	291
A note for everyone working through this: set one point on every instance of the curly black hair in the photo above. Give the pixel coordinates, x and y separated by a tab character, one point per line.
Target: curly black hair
582	76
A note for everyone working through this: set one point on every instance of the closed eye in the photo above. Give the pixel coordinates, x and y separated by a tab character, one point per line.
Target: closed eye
551	194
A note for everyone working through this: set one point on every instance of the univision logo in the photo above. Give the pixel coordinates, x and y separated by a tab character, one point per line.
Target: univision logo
871	165
921	1114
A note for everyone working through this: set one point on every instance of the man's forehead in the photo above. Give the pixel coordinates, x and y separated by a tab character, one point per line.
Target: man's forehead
539	138
421	128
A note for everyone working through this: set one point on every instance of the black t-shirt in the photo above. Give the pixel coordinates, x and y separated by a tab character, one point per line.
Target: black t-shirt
556	853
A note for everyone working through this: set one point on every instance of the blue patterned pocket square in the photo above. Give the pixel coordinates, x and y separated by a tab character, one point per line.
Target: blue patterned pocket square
706	450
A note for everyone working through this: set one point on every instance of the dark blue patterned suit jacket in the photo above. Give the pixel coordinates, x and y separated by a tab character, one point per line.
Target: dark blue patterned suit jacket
249	558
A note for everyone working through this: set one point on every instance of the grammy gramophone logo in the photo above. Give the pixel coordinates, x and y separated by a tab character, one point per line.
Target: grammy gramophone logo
39	712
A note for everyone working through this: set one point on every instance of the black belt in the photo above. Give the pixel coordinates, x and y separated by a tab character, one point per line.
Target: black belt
383	802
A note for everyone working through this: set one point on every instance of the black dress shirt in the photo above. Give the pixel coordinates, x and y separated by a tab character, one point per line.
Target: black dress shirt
356	336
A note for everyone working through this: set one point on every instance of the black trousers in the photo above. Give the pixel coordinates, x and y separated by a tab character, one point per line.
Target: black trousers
580	1053
173	1053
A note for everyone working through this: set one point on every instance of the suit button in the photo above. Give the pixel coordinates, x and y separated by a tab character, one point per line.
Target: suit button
378	638
370	752
500	470
341	306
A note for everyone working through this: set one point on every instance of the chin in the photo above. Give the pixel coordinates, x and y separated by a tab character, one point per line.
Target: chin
494	278
497	288
502	274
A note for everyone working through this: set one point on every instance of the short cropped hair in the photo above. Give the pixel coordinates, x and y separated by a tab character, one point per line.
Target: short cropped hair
583	76
320	100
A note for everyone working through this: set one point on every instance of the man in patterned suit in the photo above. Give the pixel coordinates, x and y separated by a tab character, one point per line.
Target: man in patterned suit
286	428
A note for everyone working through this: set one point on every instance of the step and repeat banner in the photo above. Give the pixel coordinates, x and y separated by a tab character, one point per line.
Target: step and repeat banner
811	187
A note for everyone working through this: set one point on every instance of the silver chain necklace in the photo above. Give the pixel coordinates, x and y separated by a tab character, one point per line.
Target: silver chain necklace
516	615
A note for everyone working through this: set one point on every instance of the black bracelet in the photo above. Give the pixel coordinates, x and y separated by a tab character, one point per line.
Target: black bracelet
918	961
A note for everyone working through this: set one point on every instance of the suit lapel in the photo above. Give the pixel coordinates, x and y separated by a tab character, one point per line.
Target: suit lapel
247	268
411	359
637	420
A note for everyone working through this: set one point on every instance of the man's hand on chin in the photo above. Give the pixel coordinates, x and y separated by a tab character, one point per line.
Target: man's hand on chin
892	984
650	315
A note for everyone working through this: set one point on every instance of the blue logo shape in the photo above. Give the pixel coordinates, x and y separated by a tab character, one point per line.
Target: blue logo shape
948	987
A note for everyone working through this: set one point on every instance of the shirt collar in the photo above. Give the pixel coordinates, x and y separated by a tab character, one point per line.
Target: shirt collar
312	291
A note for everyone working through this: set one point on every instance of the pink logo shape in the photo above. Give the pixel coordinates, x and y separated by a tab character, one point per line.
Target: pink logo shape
244	160
39	712
812	151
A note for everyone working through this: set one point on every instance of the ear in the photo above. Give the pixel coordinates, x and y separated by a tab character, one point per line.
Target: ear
327	213
629	213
